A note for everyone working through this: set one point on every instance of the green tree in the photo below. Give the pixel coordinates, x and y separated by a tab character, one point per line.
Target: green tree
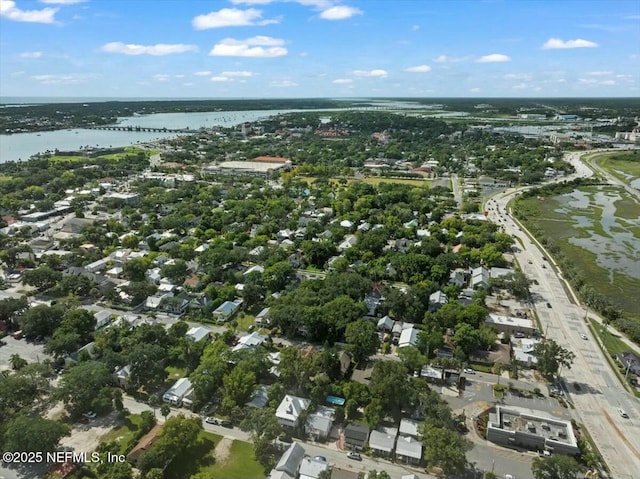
147	365
363	339
444	448
84	385
557	466
33	434
165	410
41	320
390	376
412	358
17	362
237	387
42	277
551	356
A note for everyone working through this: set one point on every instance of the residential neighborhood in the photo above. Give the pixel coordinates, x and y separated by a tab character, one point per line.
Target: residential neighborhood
248	313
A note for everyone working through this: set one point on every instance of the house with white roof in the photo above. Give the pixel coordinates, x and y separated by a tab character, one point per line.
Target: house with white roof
409	450
408	337
250	341
479	277
198	333
311	468
348	242
385	324
290	409
178	392
437	300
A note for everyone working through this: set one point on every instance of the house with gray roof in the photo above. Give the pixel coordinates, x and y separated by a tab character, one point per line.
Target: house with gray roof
383	440
226	310
356	435
319	423
289	464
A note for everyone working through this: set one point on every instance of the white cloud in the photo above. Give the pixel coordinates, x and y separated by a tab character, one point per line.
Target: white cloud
342	81
187	84
237	74
156	50
179	76
9	10
474	90
339	12
517	76
494	58
600	73
230	17
607	82
283	83
62	2
31	55
70	79
202	74
519	86
161	77
415	28
259	46
220	79
448	59
418	69
587	81
556	43
371	73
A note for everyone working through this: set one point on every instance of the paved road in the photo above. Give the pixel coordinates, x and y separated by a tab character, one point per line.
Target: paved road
600	392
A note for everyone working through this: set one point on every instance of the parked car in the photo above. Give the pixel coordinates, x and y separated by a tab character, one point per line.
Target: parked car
468	371
548	305
89	415
355	456
226	423
584	336
212	420
623	413
320	458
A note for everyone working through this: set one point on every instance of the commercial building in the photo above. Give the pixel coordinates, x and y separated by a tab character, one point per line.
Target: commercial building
511	324
531	429
262	166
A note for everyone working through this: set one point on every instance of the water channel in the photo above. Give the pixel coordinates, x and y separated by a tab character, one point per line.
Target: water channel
22	146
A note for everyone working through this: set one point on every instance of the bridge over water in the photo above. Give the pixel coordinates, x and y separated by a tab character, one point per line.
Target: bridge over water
142	128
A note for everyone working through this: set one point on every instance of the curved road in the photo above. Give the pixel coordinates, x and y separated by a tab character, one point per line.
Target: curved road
594	388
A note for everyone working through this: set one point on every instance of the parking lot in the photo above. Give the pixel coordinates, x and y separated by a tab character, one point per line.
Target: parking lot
33	353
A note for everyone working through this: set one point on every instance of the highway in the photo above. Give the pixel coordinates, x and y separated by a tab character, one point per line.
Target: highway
593	387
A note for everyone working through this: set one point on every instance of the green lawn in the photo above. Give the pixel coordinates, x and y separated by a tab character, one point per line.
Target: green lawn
124	433
611	342
376	180
175	372
240	465
197	459
245	321
200	462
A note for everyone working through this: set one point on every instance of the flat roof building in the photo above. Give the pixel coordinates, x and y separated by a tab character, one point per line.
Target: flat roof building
263	166
535	430
511	324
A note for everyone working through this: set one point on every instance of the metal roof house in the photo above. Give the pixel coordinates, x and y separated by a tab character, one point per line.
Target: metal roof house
178	392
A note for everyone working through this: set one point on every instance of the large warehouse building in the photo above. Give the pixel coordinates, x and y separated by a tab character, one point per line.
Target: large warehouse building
263	166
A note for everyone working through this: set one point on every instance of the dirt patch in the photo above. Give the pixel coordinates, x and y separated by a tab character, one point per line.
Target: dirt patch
223	450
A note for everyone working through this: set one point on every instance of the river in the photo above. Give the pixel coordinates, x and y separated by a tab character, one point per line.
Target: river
22	146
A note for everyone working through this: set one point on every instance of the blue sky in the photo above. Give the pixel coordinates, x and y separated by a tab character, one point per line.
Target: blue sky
319	48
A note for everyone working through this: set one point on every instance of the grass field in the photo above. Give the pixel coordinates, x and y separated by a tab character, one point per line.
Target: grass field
201	462
110	156
624	166
124	433
197	459
175	372
591	229
611	342
244	321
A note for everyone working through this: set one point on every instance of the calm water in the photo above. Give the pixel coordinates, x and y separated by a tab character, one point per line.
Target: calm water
24	145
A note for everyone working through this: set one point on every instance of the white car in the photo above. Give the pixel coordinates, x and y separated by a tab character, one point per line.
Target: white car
623	413
89	415
468	371
584	336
